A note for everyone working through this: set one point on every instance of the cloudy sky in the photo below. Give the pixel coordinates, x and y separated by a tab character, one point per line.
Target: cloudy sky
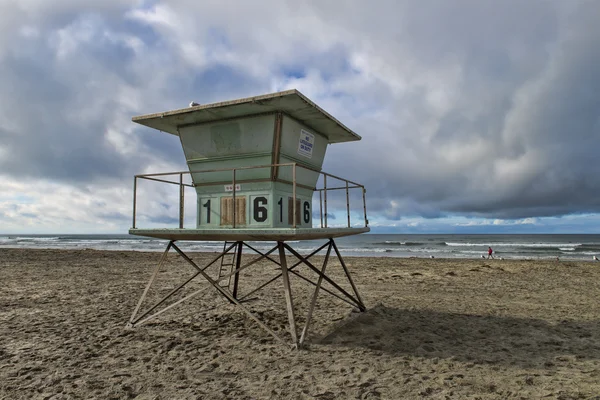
476	116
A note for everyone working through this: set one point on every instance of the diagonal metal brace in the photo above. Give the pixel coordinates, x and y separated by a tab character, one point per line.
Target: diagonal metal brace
329	280
225	292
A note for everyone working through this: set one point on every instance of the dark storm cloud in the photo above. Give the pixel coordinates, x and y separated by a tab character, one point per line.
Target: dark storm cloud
519	133
57	108
56	112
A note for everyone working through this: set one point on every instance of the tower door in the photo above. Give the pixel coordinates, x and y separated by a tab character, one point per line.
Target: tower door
227	211
291	211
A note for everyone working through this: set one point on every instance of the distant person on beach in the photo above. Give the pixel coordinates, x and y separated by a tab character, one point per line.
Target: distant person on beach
490	253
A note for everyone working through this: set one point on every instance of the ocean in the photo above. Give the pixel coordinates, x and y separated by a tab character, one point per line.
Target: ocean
573	247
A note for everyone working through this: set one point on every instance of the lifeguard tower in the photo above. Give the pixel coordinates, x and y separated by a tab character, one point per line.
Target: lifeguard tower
255	164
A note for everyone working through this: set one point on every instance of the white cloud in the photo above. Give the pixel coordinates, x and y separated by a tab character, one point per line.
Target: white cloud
46	207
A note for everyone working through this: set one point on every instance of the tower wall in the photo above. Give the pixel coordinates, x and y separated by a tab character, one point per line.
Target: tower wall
263	204
252	141
304	146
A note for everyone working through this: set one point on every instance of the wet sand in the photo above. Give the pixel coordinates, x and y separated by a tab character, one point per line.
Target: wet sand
434	328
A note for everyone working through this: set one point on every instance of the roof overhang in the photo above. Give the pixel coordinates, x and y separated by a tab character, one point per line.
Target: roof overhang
290	102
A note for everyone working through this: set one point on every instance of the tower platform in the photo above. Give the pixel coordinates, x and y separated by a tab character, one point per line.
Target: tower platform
241	234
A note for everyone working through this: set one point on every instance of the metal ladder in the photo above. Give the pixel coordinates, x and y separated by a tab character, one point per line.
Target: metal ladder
227	264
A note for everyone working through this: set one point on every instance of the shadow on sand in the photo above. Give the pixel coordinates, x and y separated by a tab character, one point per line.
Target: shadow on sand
469	338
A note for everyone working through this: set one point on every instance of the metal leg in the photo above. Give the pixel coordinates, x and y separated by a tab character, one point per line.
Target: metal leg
288	293
314	298
361	305
150	282
236	277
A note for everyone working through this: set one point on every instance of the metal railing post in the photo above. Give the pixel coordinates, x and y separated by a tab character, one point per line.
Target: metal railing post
134	198
365	206
347	204
234	205
181	194
325	197
294	195
321	206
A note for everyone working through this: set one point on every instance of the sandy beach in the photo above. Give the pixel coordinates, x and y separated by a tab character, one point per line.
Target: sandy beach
434	328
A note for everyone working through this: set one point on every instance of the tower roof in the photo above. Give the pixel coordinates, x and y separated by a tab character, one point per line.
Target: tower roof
290	102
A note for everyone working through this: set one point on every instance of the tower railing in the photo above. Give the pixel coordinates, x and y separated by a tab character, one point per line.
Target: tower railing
323	191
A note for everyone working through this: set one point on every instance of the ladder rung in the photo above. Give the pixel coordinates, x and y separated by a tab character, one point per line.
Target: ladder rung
228	261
